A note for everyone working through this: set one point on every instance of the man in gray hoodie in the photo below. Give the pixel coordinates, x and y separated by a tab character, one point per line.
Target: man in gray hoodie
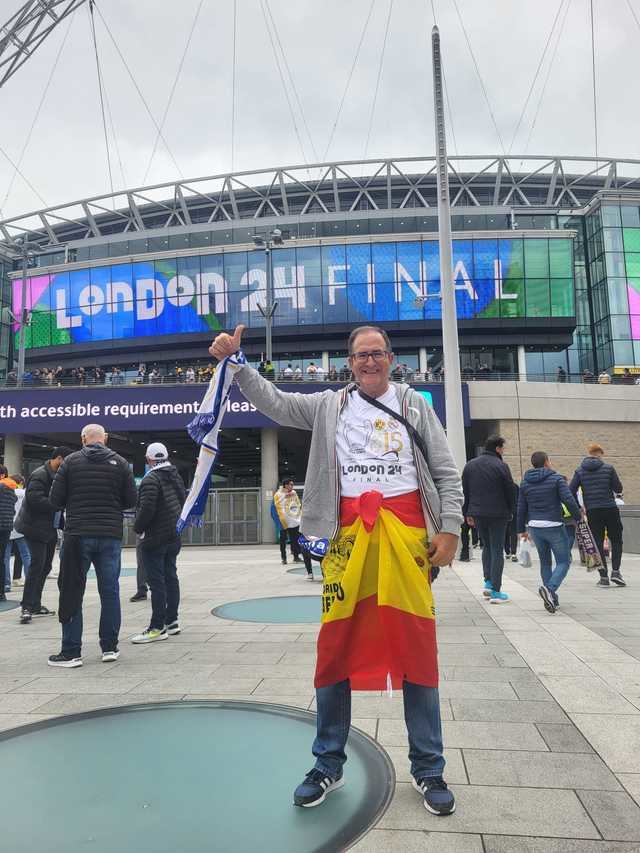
381	441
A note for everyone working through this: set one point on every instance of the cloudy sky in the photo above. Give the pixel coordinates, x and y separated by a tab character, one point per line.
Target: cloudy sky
65	158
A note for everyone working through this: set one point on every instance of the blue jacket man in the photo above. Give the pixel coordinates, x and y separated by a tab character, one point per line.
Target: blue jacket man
540	508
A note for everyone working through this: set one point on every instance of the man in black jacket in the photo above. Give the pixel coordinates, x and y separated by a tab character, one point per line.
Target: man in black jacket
94	486
39	522
600	484
160	500
489	504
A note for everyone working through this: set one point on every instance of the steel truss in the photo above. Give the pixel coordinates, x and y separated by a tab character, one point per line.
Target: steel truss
536	183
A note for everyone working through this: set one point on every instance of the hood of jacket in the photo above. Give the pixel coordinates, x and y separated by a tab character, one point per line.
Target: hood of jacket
9	483
591	463
538	475
97	453
167	471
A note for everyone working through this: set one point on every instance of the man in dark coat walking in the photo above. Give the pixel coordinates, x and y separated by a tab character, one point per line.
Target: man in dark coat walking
489	504
600	484
160	500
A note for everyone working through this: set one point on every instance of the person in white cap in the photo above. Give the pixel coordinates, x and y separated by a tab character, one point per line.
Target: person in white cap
160	499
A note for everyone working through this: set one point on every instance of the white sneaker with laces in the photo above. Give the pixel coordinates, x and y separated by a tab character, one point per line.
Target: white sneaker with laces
109	657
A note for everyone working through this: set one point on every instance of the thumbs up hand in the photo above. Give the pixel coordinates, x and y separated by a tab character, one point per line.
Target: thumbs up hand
225	345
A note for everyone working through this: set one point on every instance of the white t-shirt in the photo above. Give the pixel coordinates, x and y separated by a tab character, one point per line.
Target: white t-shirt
543	523
374	450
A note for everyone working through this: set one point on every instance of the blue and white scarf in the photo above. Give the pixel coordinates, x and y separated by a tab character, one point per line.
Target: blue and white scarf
204	429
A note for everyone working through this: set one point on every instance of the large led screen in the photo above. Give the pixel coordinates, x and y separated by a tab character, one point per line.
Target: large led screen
313	285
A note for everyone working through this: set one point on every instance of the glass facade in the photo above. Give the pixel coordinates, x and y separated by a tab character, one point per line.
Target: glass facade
495	279
613	239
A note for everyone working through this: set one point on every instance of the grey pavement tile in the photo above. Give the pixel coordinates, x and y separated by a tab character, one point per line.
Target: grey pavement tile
631	782
538	770
586	695
257	648
616	815
183	685
533	691
615	737
273	670
383	841
68	704
461	734
23	703
563	738
518	844
286	685
516	810
71	684
514	675
459	636
459	655
454	772
509	659
500	710
476	690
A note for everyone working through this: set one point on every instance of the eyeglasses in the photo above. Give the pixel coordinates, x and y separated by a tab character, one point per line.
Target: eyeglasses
363	356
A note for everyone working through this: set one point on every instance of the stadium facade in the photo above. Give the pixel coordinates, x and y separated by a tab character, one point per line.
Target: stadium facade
547	275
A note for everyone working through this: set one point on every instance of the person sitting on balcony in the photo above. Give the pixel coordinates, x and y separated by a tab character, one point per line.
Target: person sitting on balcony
333	374
561	375
312	372
191	374
588	377
604	378
287	373
269	371
627	377
297	373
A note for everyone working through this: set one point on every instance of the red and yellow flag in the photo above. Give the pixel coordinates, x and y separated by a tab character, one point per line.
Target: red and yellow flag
378	616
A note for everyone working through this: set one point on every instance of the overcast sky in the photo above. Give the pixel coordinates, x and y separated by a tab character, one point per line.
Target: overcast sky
66	159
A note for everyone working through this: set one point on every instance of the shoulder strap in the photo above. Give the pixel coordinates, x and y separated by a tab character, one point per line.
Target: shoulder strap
413	432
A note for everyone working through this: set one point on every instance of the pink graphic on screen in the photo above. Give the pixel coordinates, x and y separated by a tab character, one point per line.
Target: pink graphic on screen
35	288
634	310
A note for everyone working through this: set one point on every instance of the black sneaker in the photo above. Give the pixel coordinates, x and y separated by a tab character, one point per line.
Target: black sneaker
438	799
3	597
464	558
617	579
44	611
603	582
547	599
284	562
139	596
297	560
66	661
25	617
315	788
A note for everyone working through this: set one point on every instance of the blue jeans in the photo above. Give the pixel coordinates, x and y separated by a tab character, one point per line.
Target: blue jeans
104	552
492	531
548	541
421	714
25	555
161	572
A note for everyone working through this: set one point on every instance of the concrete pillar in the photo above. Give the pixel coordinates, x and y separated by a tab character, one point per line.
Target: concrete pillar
268	479
13	445
325	362
423	361
522	364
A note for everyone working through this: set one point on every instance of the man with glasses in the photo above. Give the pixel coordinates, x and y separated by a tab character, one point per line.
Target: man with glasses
382	487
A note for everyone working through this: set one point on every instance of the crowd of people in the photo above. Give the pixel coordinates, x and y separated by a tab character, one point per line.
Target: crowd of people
544	509
86	493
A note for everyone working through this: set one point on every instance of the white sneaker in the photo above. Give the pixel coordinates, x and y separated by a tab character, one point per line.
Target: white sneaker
109	657
151	635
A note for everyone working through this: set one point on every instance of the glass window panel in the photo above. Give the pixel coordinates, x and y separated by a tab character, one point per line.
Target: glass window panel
508	306
631	238
311	312
357	226
623	353
334	266
138	247
409	280
359	264
309	269
385	307
612	239
158	244
287	310
184	300
485	254
632	261
463	259
511	258
562	297
145	292
620	328
630	216
39	333
431	260
615	264
617	291
383	257
178	241
119	249
100	250
198	239
536	258
538	297
122	301
636	346
284	269
560	258
611	215
381	226
235	268
335	228
405	225
222	236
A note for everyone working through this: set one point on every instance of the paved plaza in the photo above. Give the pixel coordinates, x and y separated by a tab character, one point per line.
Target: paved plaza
541	712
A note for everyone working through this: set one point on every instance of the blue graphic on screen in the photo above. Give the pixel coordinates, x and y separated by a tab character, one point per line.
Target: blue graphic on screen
348	284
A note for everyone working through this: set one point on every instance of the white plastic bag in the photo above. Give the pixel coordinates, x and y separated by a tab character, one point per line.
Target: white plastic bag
525	552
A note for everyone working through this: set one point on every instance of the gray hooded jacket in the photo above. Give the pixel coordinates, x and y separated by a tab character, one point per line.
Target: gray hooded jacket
439	479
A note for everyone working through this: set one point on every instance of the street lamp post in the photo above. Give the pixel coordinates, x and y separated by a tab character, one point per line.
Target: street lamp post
450	351
275	238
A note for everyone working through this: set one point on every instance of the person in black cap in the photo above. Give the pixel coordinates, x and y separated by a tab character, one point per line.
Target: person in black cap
160	500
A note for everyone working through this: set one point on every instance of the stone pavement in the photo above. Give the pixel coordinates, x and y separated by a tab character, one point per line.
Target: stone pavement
541	712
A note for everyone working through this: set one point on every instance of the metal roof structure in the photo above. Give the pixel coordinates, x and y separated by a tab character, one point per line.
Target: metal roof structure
348	188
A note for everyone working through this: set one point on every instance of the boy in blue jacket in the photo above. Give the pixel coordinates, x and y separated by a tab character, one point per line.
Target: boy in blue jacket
542	493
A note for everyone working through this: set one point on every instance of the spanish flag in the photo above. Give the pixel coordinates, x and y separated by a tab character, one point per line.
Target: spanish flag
378	616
